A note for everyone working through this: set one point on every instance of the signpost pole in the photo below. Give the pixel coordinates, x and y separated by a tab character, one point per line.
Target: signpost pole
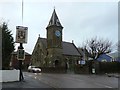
21	37
21	78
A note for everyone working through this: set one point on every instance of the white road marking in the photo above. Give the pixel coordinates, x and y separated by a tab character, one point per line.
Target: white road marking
108	87
29	75
103	85
35	73
35	77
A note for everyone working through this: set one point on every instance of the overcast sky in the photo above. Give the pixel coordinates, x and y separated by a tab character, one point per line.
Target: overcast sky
81	20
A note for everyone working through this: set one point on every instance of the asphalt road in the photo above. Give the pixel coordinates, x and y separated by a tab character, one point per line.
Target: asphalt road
43	80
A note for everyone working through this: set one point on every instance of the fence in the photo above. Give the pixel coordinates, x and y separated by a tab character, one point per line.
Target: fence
99	67
109	67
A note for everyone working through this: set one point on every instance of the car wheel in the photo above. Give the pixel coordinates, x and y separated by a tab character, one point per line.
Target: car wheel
33	71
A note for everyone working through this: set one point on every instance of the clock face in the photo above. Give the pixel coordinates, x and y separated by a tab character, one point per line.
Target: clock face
57	33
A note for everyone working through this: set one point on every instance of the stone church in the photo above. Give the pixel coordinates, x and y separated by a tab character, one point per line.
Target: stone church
52	51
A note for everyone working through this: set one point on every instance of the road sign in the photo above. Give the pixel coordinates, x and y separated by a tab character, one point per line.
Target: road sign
81	62
21	54
21	34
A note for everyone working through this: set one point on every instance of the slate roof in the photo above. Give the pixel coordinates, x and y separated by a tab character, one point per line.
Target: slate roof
104	56
68	48
15	52
54	20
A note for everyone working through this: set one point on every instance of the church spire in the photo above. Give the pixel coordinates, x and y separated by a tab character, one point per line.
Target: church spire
54	20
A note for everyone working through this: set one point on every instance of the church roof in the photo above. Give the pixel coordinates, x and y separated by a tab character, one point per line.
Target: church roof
54	20
68	48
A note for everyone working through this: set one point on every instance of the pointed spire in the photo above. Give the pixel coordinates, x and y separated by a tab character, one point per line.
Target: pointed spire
54	20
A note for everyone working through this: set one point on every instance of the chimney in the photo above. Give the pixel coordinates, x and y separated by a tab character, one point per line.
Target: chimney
72	41
39	35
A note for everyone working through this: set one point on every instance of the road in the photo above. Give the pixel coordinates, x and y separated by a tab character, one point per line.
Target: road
43	80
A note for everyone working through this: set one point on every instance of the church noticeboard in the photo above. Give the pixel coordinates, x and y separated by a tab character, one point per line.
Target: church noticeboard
21	34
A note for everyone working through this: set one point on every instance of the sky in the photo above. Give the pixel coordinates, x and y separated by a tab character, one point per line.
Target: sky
81	19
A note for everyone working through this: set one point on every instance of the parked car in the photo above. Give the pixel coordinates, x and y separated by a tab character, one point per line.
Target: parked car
34	69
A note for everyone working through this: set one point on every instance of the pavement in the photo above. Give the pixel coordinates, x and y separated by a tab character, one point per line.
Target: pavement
117	75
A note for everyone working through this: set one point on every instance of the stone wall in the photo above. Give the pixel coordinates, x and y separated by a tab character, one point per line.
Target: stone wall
53	70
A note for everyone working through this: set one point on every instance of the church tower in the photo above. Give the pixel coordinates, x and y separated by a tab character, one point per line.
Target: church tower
54	42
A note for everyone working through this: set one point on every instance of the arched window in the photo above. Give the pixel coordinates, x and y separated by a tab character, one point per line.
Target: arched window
56	63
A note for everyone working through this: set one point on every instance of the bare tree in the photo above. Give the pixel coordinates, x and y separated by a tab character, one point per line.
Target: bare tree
95	47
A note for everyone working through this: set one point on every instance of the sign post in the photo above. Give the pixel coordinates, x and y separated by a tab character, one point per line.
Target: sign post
21	37
20	57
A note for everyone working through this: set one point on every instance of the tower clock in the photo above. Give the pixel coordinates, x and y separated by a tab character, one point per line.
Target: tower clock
57	33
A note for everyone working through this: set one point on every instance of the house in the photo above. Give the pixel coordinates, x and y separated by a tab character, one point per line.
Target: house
116	56
14	62
101	58
105	58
